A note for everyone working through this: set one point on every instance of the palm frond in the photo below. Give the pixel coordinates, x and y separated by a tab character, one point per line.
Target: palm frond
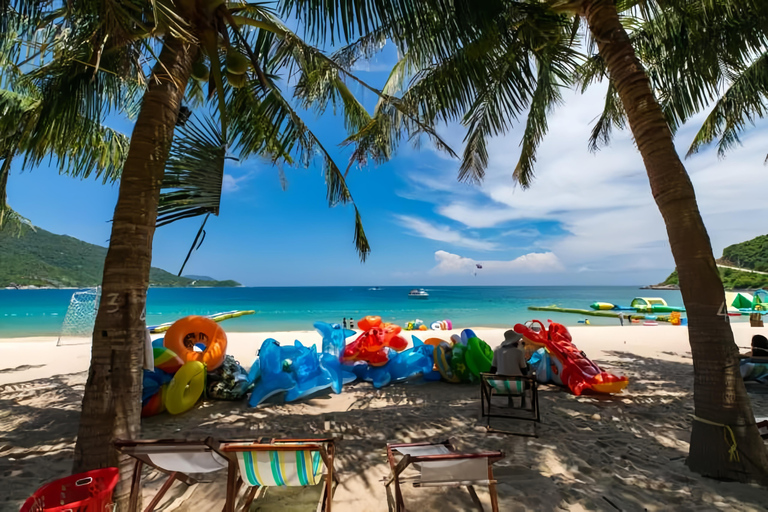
742	103
194	173
613	116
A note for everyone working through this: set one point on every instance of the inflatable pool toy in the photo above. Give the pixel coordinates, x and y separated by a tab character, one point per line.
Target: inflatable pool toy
585	321
184	334
442	355
548	369
441	325
455	338
272	379
309	375
216	317
650	322
415	325
373	345
433	341
334	342
154	386
166	360
578	373
479	356
401	366
459	366
186	388
466	334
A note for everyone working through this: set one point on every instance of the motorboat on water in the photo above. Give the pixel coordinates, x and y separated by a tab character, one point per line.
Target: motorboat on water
419	293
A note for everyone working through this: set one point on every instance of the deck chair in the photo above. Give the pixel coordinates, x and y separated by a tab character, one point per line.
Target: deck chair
440	465
511	387
281	462
176	458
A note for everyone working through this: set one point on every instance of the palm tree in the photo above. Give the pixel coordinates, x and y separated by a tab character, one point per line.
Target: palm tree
484	64
92	53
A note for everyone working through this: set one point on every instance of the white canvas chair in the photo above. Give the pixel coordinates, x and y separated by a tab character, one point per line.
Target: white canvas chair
174	457
440	465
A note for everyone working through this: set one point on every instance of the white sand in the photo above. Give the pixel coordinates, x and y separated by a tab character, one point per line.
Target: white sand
591	452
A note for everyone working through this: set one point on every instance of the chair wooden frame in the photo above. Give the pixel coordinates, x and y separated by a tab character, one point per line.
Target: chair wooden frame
487	393
326	447
141	449
397	469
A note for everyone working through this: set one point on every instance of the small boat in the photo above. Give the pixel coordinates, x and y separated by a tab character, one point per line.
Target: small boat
375	289
418	294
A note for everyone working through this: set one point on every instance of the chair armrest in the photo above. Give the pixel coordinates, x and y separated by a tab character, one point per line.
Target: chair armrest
458	456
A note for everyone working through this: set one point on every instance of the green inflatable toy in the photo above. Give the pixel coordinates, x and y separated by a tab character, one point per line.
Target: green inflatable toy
459	363
479	356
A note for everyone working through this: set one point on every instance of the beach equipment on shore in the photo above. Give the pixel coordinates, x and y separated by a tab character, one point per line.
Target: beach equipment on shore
466	334
479	356
166	360
154	387
442	355
272	378
373	344
83	492
171	457
459	366
186	387
281	463
192	330
441	325
229	381
414	325
440	465
216	317
401	366
510	387
334	342
547	369
653	305
578	372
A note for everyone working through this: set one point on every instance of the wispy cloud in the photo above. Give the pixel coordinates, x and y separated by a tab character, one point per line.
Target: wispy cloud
448	263
442	233
231	183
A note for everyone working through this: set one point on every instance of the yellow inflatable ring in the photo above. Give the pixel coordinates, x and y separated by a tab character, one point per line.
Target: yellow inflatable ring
184	334
186	388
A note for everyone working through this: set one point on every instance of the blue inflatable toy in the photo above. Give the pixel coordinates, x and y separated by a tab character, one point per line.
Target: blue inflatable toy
334	341
158	343
310	375
401	366
272	379
466	334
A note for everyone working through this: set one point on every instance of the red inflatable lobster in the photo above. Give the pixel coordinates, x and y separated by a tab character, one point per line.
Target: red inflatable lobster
372	346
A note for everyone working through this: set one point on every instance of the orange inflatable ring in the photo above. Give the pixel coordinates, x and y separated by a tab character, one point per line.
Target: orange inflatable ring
189	331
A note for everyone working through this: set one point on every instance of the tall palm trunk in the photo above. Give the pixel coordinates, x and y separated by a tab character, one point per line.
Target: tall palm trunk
719	395
112	402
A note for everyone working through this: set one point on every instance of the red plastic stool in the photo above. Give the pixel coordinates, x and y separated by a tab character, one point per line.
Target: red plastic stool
86	492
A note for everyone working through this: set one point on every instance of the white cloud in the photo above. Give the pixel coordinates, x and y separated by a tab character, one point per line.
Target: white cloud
231	184
448	263
442	233
602	201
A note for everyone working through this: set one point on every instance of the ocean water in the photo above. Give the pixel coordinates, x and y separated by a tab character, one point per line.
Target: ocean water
41	312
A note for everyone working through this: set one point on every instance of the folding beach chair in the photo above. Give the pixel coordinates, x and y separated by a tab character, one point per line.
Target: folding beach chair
176	458
523	386
440	465
281	462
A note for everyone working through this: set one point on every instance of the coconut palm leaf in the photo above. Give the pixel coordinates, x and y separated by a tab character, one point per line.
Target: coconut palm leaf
194	173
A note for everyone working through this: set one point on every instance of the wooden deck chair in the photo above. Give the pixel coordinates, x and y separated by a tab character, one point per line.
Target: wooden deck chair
512	387
440	465
177	458
281	462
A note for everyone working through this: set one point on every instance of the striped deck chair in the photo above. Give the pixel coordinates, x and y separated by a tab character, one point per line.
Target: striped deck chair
282	462
440	465
492	384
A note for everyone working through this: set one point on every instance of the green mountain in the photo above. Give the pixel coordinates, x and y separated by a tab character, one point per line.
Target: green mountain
752	254
41	258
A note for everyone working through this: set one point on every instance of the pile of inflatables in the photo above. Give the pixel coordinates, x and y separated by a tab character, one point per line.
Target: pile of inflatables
419	325
191	361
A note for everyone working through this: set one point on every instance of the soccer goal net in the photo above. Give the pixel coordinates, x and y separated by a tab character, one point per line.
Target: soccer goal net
81	316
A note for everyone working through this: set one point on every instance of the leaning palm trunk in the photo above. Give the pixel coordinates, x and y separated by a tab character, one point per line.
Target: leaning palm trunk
723	415
112	402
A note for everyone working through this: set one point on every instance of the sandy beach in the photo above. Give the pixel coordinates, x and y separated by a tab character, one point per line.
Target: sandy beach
625	452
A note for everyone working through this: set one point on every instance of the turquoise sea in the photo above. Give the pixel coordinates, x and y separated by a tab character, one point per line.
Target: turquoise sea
41	312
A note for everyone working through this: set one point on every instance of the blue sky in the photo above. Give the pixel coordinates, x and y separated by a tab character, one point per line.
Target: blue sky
587	219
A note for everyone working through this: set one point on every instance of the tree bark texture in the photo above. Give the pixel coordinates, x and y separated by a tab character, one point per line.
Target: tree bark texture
719	393
112	403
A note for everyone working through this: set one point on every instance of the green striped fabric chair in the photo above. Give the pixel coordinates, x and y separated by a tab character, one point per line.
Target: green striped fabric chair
283	462
492	384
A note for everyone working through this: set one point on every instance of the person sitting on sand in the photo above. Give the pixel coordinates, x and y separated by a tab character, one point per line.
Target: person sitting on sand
508	359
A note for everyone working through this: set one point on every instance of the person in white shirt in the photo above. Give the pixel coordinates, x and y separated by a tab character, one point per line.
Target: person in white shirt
508	359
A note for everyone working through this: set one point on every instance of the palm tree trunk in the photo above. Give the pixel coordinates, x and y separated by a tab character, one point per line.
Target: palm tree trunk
112	402
719	395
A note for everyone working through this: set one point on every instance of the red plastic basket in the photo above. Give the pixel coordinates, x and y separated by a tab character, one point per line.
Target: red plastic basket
85	492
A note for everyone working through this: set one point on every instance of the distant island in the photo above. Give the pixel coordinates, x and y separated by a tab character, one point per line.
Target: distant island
41	259
743	266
